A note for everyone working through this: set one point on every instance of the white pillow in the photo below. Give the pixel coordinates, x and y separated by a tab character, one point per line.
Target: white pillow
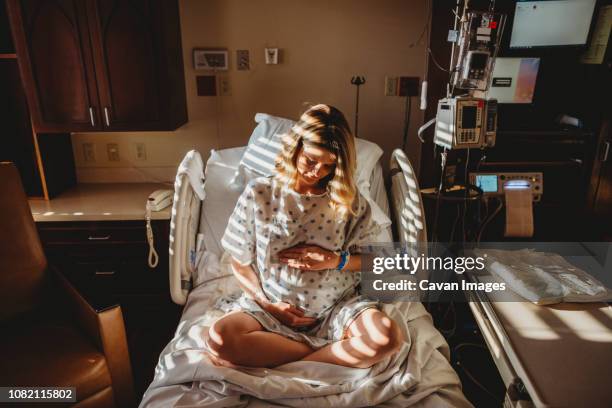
266	143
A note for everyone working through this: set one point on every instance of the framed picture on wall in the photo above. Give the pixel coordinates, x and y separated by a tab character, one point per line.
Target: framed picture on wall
210	59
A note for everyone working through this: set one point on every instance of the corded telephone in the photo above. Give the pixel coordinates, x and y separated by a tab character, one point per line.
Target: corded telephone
157	201
160	199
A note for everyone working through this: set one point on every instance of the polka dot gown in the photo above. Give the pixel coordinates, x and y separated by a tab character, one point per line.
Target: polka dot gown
270	217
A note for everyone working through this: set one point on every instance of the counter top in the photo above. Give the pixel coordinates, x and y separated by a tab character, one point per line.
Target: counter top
100	202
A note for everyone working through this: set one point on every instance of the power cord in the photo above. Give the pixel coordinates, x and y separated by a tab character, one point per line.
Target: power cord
470	375
488	220
448	333
465	181
153	258
433	58
434	234
455	222
407	122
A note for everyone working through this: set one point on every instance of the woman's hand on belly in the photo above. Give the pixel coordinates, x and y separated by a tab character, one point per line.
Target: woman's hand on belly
309	258
288	314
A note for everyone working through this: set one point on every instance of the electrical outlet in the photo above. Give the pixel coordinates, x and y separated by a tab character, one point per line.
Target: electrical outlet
89	153
224	86
112	150
141	151
390	86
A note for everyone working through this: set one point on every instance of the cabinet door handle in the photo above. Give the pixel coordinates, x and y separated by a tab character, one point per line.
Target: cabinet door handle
92	120
104	238
106	117
606	151
105	273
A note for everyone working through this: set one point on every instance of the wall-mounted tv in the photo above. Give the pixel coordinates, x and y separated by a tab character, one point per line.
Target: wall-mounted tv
551	23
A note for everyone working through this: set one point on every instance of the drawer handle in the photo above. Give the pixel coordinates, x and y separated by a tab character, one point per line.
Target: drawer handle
106	117
105	273
91	117
104	238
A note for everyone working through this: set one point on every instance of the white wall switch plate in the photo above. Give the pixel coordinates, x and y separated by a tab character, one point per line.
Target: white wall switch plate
224	86
391	86
141	151
89	153
271	56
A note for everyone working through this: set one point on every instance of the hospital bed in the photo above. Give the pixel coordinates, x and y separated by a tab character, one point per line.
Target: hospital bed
418	375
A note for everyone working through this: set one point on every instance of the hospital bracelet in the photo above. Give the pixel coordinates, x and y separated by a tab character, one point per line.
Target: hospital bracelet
344	258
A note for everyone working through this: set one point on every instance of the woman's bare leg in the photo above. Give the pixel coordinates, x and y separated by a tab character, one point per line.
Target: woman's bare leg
241	340
371	337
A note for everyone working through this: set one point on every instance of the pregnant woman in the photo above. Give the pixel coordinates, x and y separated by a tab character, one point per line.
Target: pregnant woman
292	238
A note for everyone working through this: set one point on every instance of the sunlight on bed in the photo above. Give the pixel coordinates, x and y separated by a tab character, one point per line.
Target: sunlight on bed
585	326
529	324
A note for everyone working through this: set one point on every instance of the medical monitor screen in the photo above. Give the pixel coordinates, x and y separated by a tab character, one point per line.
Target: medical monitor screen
468	117
551	23
487	182
514	80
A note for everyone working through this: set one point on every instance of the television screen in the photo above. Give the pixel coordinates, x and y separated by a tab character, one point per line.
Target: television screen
514	80
551	23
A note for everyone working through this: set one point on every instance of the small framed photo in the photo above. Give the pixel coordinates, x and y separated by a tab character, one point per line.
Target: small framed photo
210	59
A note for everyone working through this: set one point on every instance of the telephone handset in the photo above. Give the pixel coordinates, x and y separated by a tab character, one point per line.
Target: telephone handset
160	199
157	201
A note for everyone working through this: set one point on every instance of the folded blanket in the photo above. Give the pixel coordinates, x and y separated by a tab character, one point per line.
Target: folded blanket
544	278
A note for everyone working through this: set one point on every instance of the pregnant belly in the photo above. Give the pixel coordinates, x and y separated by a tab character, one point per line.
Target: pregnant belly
313	292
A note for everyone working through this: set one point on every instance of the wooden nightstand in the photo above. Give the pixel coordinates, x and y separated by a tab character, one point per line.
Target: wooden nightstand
96	235
107	262
108	258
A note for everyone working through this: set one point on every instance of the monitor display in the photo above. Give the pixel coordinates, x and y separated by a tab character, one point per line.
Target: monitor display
551	23
514	80
468	117
487	182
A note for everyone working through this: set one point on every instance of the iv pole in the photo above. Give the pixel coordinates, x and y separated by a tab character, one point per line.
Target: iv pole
357	81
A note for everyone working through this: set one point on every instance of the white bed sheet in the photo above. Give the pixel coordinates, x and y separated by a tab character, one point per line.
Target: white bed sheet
418	375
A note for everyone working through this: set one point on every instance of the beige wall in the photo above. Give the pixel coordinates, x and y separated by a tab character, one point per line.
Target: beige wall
323	43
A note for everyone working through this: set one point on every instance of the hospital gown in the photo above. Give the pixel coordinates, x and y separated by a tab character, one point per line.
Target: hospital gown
270	217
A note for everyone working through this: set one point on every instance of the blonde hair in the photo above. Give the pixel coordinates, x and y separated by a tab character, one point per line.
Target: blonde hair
326	127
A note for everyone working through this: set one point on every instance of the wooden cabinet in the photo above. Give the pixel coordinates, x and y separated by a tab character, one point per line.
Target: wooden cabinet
56	64
45	162
92	65
108	258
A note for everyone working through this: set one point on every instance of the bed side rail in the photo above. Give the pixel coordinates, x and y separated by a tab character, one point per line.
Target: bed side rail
184	224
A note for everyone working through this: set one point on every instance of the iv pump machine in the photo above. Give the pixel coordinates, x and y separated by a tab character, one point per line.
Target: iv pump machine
466	122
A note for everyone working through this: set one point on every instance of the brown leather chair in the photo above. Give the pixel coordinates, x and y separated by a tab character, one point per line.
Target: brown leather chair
50	334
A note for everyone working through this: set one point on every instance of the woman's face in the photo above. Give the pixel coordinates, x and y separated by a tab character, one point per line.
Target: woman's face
314	164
